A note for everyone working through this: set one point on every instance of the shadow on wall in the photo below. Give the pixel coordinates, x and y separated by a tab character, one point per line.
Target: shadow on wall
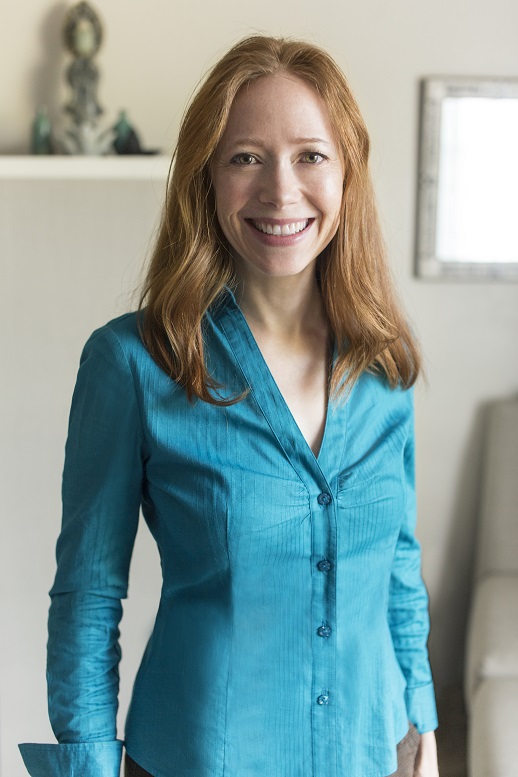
449	612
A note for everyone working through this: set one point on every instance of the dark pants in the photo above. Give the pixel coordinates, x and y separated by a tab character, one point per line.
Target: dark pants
406	754
131	769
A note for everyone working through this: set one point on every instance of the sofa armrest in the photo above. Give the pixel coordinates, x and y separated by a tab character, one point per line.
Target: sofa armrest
498	521
492	646
492	739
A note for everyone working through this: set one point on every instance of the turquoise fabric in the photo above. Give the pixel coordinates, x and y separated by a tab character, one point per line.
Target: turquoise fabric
291	635
73	760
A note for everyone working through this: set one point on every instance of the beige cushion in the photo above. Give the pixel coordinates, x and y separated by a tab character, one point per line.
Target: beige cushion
498	528
492	648
493	735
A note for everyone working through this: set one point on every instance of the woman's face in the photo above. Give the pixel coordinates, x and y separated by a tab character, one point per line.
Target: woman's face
278	177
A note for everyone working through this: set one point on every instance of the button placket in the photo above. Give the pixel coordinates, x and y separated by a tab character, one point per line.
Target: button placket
324	618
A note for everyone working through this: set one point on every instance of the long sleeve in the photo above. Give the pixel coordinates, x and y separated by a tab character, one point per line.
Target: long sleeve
101	498
408	606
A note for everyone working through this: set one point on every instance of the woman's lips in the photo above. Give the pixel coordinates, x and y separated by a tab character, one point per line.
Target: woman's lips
279	232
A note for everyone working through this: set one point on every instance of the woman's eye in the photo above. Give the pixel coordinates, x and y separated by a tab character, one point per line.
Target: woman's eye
243	159
312	157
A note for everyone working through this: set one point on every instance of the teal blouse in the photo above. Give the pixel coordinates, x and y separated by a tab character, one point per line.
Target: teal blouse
290	639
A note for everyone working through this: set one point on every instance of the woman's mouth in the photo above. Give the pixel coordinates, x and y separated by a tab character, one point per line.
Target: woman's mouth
280	229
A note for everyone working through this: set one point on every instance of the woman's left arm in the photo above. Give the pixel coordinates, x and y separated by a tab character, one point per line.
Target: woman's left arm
426	764
408	608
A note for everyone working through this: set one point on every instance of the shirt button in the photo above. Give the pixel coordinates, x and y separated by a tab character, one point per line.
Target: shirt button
323	699
324	565
324	499
324	631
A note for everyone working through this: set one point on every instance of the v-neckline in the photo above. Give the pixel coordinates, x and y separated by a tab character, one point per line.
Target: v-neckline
266	390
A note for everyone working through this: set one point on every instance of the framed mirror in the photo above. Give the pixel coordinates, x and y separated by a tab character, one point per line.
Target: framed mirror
467	208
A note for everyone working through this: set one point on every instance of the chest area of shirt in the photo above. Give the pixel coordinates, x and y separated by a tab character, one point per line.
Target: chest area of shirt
229	476
249	464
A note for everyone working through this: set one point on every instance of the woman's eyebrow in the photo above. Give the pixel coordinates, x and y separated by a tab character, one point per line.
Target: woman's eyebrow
294	141
301	141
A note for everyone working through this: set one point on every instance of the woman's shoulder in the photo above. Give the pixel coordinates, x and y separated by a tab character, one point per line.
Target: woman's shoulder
119	347
118	339
373	395
125	328
374	386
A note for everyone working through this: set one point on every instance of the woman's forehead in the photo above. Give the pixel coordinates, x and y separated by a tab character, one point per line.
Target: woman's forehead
280	103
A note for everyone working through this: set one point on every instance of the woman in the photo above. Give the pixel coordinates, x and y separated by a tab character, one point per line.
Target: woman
259	408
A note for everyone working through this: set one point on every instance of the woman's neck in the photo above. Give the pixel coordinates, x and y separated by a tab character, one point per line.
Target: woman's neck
288	308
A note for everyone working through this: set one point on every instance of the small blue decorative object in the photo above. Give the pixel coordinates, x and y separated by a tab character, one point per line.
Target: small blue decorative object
127	140
41	135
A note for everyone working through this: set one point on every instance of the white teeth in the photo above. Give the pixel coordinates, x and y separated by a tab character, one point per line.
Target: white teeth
278	229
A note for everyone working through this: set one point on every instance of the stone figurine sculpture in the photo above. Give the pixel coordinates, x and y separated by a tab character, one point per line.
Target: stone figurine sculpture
83	35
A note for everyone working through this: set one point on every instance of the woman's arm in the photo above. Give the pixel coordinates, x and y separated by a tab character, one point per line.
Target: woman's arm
426	764
408	604
101	498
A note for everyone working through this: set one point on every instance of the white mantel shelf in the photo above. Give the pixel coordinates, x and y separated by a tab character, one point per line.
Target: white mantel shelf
83	168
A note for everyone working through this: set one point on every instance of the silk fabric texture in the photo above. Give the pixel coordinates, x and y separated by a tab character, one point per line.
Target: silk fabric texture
406	758
290	639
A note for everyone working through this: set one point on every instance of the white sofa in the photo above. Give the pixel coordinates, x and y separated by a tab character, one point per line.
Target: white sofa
491	682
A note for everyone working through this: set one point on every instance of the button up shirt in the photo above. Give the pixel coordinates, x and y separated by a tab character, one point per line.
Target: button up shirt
291	635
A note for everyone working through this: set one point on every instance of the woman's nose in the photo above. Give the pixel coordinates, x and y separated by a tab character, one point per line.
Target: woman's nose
279	185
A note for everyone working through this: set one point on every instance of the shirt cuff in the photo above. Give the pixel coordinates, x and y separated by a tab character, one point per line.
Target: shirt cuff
87	759
421	708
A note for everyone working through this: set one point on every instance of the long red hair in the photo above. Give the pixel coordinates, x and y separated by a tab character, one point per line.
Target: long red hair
192	262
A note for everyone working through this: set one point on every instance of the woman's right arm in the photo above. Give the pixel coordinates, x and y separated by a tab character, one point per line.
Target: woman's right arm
102	483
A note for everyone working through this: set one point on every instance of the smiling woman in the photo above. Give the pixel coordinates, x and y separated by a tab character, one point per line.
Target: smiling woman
278	178
258	409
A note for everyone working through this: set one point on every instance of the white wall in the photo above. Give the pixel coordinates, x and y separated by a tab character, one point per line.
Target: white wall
58	285
70	259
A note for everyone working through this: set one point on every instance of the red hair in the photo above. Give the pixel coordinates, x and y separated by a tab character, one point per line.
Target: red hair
192	263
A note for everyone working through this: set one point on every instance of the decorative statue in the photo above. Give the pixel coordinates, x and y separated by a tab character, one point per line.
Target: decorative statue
83	35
